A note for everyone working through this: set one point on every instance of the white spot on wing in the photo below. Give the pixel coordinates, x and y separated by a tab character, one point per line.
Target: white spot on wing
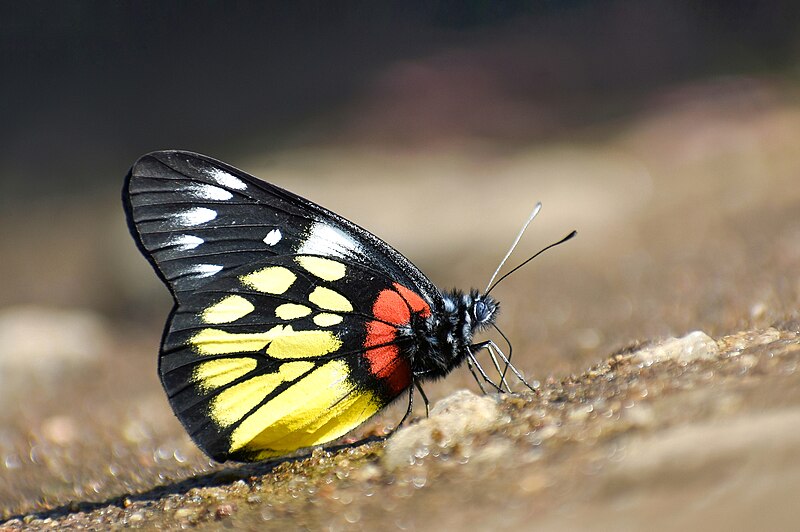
273	237
203	191
195	216
225	179
185	242
327	240
203	270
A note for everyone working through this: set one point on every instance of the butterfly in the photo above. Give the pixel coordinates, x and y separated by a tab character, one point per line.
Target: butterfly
291	325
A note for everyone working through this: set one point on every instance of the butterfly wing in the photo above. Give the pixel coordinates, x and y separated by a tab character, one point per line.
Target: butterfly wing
284	330
194	217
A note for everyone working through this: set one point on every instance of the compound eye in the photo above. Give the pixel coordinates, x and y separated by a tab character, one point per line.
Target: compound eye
481	311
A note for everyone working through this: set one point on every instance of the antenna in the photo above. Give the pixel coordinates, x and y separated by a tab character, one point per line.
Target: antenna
533	214
554	244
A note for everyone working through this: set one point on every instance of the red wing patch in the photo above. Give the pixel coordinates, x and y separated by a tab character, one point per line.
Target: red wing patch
386	364
392	307
416	303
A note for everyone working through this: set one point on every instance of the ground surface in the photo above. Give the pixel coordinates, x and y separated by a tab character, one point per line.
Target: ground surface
689	220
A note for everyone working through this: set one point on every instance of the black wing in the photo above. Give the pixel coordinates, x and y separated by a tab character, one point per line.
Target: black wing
195	218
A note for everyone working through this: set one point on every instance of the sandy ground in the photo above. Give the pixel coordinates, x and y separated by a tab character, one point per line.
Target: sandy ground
689	220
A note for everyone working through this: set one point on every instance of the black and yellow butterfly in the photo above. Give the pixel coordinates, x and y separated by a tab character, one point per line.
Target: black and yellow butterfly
291	325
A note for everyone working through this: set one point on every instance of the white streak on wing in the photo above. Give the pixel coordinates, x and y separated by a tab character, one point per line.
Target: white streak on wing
225	179
273	237
203	191
195	216
185	242
203	270
327	240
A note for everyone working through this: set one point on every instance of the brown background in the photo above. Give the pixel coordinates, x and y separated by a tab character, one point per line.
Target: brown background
666	133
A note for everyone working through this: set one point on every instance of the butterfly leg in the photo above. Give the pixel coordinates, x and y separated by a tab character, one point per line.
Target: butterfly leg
500	372
475	375
409	409
477	365
411	403
424	398
510	350
509	364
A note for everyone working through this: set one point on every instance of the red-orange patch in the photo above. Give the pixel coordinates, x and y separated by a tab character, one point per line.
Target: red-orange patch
389	306
387	364
416	303
385	361
379	333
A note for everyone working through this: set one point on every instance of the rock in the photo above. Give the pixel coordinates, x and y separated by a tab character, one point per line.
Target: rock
225	510
184	514
696	345
709	446
451	420
734	344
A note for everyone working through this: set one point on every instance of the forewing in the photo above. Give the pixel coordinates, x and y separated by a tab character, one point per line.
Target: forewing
196	218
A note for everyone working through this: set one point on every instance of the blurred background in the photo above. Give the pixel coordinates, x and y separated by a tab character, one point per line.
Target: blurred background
666	132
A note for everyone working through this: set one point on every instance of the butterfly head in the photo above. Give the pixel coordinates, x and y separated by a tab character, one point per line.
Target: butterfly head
469	312
446	339
483	310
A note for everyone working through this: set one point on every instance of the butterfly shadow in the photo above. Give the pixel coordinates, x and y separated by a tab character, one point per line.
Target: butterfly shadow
221	477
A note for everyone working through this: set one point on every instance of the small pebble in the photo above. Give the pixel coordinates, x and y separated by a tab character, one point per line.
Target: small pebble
183	513
696	345
451	421
224	510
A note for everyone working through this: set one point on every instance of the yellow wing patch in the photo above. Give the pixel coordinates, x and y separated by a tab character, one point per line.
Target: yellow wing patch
235	402
270	280
216	373
326	269
283	341
330	300
302	344
318	409
340	419
229	309
219	342
291	311
327	320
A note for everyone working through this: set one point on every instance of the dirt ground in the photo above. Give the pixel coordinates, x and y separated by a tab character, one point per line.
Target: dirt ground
688	216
